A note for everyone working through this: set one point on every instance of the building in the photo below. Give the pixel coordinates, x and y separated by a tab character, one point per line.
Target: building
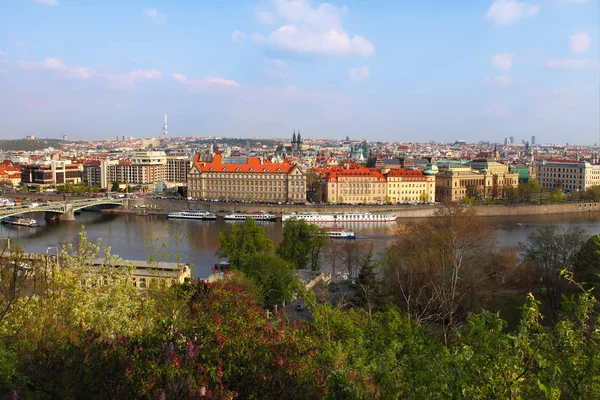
177	168
410	186
92	173
567	176
354	184
533	140
480	178
143	168
250	179
51	173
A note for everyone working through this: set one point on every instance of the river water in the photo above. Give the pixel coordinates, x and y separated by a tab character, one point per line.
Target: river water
134	237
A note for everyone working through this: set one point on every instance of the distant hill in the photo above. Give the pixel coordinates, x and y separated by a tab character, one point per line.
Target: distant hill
30	145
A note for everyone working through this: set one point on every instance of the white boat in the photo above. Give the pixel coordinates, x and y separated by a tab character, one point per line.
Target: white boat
339	233
192	214
258	216
341	217
21	221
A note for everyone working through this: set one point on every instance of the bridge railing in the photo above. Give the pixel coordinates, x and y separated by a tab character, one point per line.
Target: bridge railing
57	206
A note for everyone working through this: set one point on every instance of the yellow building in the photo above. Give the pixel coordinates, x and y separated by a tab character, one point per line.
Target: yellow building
410	186
478	178
354	184
248	179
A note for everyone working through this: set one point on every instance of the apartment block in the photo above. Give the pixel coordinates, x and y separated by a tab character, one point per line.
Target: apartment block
568	176
249	179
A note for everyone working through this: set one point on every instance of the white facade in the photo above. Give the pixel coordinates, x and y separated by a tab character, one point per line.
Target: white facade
569	176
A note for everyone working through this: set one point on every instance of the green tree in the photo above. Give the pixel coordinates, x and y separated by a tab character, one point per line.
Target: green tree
557	196
533	191
423	198
302	244
586	263
368	294
242	242
115	187
274	277
550	250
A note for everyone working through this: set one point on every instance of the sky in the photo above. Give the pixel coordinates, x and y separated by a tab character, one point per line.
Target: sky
412	71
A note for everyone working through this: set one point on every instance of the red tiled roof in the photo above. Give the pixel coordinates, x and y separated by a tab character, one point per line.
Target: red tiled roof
254	164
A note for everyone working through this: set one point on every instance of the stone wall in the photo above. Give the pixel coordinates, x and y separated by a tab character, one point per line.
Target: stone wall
165	205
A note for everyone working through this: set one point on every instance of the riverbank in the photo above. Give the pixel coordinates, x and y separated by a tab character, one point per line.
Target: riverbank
165	206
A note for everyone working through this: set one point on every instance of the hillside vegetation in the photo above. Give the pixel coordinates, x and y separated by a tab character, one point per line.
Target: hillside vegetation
30	145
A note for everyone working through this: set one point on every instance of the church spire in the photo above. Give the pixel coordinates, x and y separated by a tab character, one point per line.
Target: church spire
294	137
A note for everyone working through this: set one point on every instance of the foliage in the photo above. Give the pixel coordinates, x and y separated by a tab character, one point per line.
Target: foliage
78	188
115	187
550	250
242	242
368	293
586	263
302	244
440	272
274	278
31	145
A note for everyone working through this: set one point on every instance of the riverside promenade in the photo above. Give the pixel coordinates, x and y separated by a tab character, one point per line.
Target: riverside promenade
165	206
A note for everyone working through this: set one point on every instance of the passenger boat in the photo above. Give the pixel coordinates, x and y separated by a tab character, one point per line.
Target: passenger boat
192	214
258	216
20	221
339	233
340	217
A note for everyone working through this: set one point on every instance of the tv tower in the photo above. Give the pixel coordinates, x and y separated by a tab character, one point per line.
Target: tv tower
165	130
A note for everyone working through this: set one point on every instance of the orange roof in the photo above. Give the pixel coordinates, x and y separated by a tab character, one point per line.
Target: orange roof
253	164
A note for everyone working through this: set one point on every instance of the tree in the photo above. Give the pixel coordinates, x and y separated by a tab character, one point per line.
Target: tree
351	254
550	250
242	242
586	263
533	191
557	196
302	244
368	293
439	272
424	197
274	278
115	187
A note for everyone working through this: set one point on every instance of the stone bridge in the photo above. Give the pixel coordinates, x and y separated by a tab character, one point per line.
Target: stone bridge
65	210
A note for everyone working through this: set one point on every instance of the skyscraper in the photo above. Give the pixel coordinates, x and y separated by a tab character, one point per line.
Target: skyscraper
165	129
532	140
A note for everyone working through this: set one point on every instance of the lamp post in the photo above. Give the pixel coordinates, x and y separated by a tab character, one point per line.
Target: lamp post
56	253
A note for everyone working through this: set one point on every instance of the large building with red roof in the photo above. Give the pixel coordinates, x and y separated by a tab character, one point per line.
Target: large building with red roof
354	184
250	179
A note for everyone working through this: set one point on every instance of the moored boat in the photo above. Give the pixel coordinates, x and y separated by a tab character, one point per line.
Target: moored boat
258	216
341	217
192	214
20	221
339	233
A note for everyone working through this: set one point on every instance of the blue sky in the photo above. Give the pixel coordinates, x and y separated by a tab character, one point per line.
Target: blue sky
381	70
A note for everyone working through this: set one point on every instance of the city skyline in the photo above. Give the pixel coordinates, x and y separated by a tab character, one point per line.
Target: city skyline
381	71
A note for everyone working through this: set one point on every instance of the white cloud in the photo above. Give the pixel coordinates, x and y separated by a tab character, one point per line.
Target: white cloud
147	74
3	71
207	81
56	64
499	79
3	54
497	110
114	80
302	39
265	17
357	74
257	38
579	42
276	68
502	61
575	1
154	15
504	12
313	30
51	3
572	63
238	36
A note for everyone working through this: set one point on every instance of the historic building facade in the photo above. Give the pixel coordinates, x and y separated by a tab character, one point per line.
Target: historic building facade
250	179
354	184
478	178
410	186
569	176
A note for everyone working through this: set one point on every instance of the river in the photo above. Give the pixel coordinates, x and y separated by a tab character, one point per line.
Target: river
134	237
